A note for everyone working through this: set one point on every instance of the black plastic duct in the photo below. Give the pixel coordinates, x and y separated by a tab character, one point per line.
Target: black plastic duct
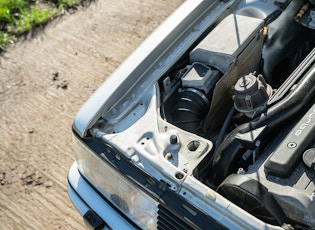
189	109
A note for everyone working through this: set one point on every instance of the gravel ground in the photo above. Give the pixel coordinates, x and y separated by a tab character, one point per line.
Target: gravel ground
43	83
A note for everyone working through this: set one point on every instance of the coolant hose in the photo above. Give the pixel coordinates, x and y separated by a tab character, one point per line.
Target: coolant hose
231	150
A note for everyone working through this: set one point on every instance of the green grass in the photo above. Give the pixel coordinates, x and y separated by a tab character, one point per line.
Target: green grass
5	39
64	4
18	17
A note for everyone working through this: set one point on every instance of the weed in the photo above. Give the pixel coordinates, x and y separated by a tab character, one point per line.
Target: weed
64	4
32	17
20	16
5	39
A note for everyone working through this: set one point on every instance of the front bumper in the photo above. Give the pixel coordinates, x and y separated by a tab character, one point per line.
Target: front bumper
87	200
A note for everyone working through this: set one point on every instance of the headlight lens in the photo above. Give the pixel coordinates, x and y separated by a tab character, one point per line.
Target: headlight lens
136	204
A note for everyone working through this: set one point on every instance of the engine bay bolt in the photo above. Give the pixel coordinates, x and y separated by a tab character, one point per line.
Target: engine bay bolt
168	156
313	196
241	171
173	139
179	176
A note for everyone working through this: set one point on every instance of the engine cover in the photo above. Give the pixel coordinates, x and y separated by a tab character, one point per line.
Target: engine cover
287	175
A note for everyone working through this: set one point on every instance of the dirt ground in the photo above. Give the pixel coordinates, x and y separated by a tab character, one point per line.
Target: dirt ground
43	83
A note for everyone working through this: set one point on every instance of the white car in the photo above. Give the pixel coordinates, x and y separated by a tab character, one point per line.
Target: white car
209	124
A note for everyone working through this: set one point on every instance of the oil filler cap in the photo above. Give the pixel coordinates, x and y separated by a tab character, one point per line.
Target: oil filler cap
309	158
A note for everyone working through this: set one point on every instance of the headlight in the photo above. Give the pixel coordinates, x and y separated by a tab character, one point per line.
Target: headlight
132	201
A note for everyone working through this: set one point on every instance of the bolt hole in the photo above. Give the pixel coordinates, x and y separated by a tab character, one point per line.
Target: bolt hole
292	145
193	145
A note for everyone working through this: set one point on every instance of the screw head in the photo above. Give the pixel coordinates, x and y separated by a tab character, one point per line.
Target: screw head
241	171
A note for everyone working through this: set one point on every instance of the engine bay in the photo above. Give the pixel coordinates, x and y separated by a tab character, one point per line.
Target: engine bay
236	111
240	87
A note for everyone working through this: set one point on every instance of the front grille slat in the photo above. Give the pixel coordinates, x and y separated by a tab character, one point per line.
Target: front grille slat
163	226
168	221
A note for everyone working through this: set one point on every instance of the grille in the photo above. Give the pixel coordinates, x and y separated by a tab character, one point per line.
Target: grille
168	221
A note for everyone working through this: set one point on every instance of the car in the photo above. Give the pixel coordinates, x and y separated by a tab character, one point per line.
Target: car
209	124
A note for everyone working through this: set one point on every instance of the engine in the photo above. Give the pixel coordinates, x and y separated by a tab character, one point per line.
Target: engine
248	85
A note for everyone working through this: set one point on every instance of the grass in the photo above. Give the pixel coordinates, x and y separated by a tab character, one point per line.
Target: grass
18	17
